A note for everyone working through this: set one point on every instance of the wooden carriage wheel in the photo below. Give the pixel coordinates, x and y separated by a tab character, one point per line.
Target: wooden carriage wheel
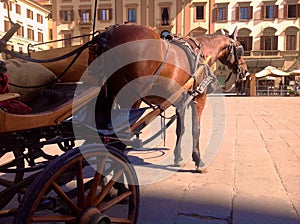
16	163
93	184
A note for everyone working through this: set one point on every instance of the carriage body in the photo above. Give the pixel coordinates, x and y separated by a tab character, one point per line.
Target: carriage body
49	175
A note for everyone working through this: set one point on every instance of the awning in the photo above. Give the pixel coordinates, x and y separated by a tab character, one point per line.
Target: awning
295	72
271	71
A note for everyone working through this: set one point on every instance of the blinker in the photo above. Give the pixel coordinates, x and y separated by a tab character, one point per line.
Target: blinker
239	51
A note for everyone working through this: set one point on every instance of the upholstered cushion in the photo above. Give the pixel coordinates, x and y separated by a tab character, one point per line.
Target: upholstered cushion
24	73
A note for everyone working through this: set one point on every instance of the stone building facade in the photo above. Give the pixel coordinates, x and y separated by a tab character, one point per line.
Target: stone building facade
33	19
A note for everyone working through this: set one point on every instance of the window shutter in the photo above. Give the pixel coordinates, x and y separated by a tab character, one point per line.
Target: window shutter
225	14
72	15
61	14
99	14
79	13
262	43
90	14
250	16
249	43
110	14
275	46
214	15
276	11
285	11
262	12
237	13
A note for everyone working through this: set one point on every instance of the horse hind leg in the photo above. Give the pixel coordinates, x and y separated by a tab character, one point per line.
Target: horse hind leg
179	133
196	112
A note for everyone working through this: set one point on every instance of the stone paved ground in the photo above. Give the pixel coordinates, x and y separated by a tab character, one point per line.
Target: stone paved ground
254	179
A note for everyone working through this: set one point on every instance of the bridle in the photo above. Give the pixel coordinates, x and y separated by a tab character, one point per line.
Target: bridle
237	50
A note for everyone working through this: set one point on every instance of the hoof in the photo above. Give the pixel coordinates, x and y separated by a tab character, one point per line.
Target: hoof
176	164
201	169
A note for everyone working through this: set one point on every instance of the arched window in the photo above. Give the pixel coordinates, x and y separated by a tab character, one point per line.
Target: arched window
246	40
291	38
164	34
269	42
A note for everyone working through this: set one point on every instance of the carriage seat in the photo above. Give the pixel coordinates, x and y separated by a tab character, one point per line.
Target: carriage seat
52	116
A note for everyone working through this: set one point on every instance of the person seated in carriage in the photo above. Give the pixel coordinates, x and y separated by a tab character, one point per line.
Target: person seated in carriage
10	105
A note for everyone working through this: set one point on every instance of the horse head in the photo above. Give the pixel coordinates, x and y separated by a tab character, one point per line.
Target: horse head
232	56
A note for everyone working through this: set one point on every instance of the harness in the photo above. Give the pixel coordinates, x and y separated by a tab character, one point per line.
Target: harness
192	49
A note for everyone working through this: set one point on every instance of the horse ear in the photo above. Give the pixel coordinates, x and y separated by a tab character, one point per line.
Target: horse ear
223	32
234	34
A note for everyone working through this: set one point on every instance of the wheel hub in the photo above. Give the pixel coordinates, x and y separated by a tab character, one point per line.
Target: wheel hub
92	215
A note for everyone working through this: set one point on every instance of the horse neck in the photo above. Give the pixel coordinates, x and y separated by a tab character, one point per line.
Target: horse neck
213	45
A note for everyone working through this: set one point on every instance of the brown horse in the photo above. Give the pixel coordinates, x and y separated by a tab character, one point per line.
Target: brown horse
157	67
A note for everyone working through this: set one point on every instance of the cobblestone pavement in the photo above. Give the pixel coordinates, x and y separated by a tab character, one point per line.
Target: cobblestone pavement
255	178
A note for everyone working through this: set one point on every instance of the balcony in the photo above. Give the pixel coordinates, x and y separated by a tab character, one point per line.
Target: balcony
164	23
272	53
257	60
85	23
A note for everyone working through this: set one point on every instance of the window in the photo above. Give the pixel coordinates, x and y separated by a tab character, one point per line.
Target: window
50	34
291	42
40	37
220	14
85	16
269	11
30	34
269	43
18	9
20	31
244	12
67	40
131	14
199	12
29	14
7	25
105	14
292	13
164	16
66	15
9	5
246	42
39	18
164	34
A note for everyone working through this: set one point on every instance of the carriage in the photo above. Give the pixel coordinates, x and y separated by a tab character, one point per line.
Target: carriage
87	178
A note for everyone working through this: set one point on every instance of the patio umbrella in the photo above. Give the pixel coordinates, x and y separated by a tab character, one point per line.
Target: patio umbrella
295	72
271	71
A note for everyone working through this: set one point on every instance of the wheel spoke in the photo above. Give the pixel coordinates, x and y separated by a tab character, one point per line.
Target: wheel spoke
65	197
96	181
56	218
107	188
80	185
115	201
120	220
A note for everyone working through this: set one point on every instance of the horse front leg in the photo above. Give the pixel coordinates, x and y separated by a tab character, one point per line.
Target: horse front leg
197	108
